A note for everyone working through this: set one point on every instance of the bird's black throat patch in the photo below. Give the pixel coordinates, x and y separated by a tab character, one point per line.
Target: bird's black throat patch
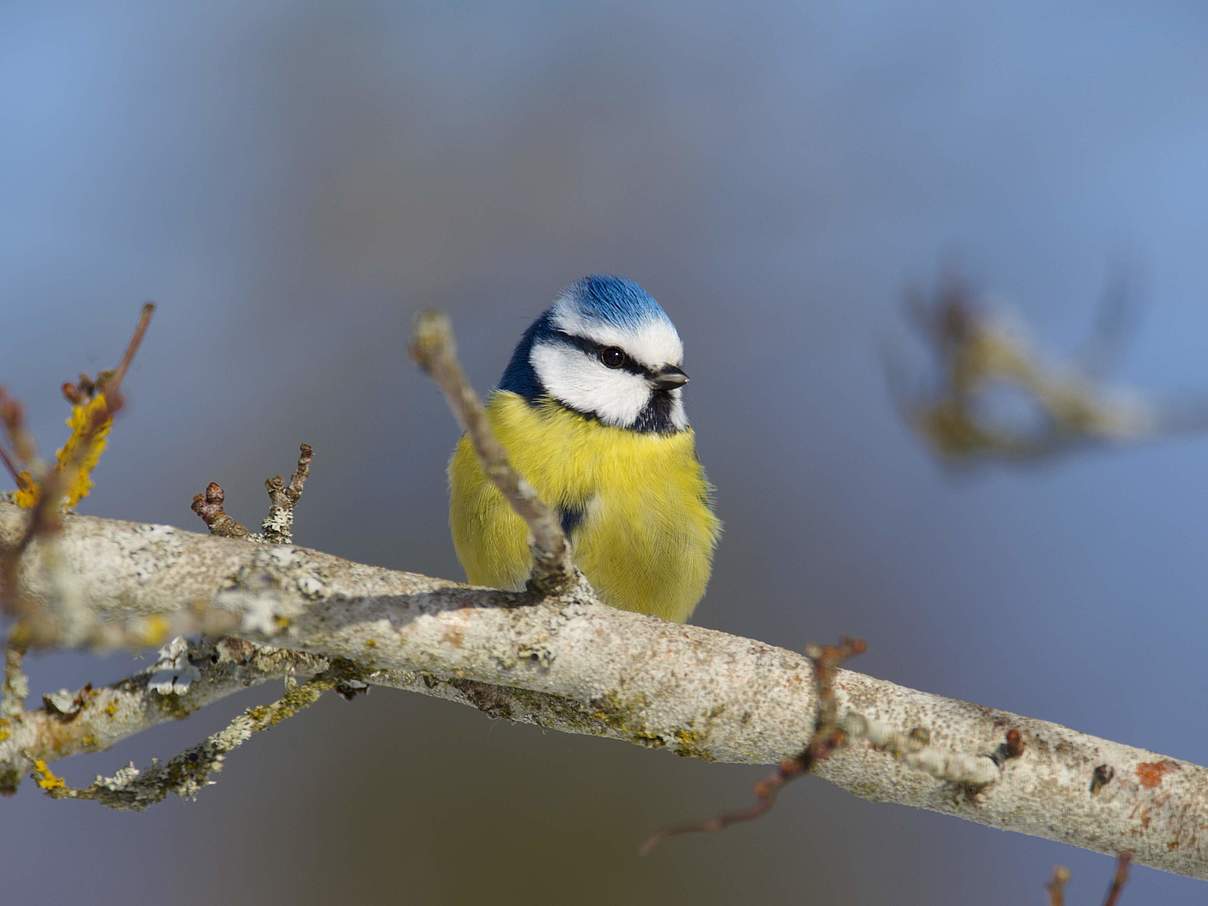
656	416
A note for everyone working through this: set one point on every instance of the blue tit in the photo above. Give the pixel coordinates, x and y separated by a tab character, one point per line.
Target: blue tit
589	411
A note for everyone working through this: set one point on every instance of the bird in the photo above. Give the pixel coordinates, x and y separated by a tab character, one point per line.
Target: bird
590	412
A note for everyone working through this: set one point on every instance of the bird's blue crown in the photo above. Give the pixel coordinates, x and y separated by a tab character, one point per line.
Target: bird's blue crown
613	300
598	297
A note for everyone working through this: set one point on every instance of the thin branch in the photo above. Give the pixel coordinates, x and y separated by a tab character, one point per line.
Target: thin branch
209	506
826	738
133	790
278	525
183	680
1056	885
12	417
10	466
136	340
1119	879
43	519
433	348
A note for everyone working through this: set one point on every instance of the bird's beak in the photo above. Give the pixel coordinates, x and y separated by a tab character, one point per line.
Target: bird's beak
668	379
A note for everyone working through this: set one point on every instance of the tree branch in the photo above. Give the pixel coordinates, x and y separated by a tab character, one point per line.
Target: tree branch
569	663
434	351
133	790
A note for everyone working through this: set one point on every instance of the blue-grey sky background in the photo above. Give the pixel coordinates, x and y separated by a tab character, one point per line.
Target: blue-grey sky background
291	181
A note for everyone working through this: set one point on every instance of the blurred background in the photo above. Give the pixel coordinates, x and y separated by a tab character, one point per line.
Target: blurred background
291	181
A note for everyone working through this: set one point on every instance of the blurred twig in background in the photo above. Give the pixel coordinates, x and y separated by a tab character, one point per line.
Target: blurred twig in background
1056	885
1061	877
1119	879
981	360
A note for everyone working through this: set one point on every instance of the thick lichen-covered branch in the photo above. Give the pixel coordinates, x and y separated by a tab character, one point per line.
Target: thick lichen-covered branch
569	663
433	349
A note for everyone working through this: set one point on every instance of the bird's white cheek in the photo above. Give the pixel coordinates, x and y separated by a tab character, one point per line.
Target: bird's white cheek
679	418
579	381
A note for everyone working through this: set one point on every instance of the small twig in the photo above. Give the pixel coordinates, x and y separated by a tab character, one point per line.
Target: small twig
12	416
136	340
433	349
1118	880
1061	877
278	525
1056	885
827	737
209	506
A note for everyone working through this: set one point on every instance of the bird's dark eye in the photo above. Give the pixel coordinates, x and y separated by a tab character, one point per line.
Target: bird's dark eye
612	356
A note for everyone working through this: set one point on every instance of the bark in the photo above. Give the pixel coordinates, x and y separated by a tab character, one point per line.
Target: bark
568	663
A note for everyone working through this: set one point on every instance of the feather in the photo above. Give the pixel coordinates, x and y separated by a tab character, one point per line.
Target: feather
646	535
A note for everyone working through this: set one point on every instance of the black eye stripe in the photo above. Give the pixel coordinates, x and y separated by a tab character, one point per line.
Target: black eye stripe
592	348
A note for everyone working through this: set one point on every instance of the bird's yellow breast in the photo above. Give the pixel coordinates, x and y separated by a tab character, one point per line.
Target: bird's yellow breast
643	530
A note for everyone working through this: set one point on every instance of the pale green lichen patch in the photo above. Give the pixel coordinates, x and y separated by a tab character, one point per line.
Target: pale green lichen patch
692	741
625	718
689	744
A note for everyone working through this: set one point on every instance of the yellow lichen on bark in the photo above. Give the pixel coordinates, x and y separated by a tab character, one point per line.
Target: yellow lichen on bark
46	778
89	423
